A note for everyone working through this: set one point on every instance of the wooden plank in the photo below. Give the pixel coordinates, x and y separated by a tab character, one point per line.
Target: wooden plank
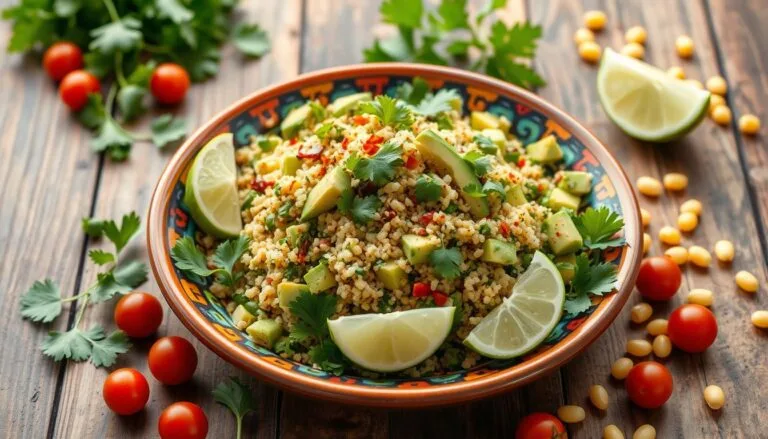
128	186
47	175
709	157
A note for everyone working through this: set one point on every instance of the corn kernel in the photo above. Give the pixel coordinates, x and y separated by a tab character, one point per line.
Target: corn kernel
612	432
714	396
721	115
714	102
641	312
684	46
571	414
675	181
657	327
746	281
621	367
678	254
646	242
724	251
590	51
692	205
701	296
749	124
687	221
645	217
634	50
676	72
695	83
670	235
648	186
583	35
662	346
717	85
645	431
699	256
639	348
599	396
595	20
760	319
636	34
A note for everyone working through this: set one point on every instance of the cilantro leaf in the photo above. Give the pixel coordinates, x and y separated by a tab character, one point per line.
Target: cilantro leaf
113	139
312	312
93	114
70	345
380	169
598	226
42	302
123	35
123	279
494	187
488	7
121	236
480	163
174	10
412	92
428	188
251	39
344	204
473	190
446	262
364	209
101	257
453	15
510	46
105	349
485	144
402	12
589	278
389	111
440	102
235	396
130	101
226	256
328	356
92	227
167	129
190	260
577	304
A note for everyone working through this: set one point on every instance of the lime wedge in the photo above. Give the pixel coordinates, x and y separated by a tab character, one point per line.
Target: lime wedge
394	341
645	102
211	191
526	317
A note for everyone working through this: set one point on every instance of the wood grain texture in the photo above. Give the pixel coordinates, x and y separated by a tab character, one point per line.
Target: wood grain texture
128	186
709	157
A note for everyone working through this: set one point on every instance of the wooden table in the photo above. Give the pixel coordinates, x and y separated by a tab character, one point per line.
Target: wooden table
50	179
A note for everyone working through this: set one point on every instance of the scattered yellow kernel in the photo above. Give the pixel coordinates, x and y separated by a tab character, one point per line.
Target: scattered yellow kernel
724	251
645	217
721	115
621	367
670	235
676	71
692	205
634	50
657	327
701	296
687	221
695	83
639	348
571	414
641	312
678	254
646	242
662	346
717	85
612	432
760	319
595	20
749	124
699	256
636	34
599	396
675	181
714	397
583	35
684	46
746	281
648	186
590	51
645	431
714	102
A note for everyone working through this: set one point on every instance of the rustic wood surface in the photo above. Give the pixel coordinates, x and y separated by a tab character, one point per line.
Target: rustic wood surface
49	180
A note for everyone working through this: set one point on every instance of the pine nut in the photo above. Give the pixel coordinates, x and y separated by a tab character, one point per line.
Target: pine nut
641	312
699	256
675	181
645	432
687	221
590	51
599	396
621	367
639	348
700	296
684	46
678	254
595	20
583	35
724	251
746	281
692	205
645	217
636	34
760	319
571	414
646	242
749	124
670	235
612	432
657	327
717	85
648	186
662	346
714	396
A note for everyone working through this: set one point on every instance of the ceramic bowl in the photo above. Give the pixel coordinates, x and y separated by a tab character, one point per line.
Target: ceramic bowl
532	118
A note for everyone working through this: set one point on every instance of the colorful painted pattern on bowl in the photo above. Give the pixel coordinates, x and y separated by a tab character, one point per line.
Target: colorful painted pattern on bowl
527	124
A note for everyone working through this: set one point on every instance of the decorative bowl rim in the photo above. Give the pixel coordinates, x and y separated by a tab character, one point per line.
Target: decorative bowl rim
480	387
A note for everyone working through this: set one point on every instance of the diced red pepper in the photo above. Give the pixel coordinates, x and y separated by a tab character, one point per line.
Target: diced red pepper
371	145
439	297
322	171
504	229
521	162
359	119
426	219
325	159
421	289
311	152
260	185
293	140
422	232
268	280
411	162
541	187
344	143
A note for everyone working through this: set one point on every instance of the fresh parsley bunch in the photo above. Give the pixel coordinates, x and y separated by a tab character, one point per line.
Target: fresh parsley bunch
445	37
43	301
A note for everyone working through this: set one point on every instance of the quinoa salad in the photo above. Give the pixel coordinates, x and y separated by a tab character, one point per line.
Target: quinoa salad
374	205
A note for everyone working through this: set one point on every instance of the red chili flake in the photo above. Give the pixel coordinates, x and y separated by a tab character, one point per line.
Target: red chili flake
426	219
371	145
325	159
322	171
439	297
541	187
260	185
521	162
421	289
422	232
411	162
504	229
360	120
312	152
302	253
344	143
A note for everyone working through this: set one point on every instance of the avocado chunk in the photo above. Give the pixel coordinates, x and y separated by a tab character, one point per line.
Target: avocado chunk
566	265
290	164
515	195
294	121
481	120
576	182
559	199
456	103
295	232
496	135
391	275
504	124
319	278
288	291
344	104
444	159
417	248
563	236
241	314
499	252
267	143
326	193
265	332
545	150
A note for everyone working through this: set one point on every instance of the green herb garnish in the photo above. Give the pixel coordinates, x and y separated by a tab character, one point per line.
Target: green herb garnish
598	226
389	111
238	398
381	168
312	312
590	277
446	262
189	259
361	209
428	188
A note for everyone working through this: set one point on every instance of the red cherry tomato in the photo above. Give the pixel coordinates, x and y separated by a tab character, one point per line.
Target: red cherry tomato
61	58
169	83
138	314
75	88
172	360
125	391
540	426
659	278
182	420
692	328
649	384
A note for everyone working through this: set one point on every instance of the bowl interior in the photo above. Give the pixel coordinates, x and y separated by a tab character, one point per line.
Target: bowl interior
530	119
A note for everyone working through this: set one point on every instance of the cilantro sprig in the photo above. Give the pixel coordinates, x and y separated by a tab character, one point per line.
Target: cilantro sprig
312	312
390	111
598	227
446	262
590	278
381	168
448	35
238	398
428	188
189	259
43	302
361	209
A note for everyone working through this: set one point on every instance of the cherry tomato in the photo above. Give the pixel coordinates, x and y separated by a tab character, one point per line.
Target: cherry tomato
138	314
659	278
75	88
649	384
125	391
692	328
172	360
61	58
182	420
540	426
169	83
